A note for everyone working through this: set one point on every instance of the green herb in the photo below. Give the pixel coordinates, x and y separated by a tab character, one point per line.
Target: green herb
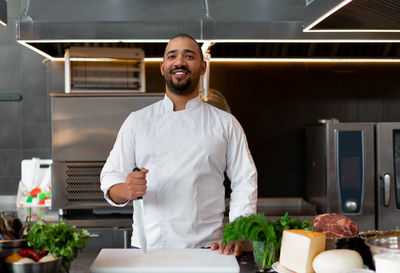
285	222
59	239
265	235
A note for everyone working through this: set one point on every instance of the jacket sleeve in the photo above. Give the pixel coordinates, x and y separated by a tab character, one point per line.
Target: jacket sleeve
242	173
120	161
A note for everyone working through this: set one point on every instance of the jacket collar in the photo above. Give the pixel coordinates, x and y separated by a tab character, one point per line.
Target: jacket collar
190	105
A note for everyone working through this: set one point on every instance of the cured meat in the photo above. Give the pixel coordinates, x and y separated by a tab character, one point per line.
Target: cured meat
335	225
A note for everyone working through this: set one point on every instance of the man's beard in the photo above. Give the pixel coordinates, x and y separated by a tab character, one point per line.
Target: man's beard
185	88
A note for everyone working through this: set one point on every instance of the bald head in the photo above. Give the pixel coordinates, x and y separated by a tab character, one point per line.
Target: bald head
183	35
182	65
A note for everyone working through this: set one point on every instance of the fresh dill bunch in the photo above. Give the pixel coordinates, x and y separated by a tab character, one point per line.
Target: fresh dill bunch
257	229
253	227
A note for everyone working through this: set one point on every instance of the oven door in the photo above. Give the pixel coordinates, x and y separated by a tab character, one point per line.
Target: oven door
388	175
350	171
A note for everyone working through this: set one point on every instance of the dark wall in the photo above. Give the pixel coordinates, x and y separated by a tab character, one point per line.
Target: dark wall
24	125
274	102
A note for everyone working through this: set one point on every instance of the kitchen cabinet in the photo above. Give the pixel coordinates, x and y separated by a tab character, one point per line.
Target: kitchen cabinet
113	237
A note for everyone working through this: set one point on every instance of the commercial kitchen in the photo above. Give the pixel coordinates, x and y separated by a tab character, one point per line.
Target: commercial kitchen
314	84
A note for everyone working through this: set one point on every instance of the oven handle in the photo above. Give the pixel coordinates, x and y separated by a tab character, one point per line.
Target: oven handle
386	189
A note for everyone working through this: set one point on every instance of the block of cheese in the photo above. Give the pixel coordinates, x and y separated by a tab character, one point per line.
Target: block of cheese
299	248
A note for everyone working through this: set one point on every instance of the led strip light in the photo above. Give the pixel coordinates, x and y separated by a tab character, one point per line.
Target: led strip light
333	10
324	16
272	60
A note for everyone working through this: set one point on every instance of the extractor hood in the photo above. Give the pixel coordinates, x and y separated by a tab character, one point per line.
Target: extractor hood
352	15
49	27
3	13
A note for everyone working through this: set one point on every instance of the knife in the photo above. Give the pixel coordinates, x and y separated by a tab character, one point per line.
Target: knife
138	211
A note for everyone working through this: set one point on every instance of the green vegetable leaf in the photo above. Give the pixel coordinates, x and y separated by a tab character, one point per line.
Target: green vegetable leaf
59	239
257	229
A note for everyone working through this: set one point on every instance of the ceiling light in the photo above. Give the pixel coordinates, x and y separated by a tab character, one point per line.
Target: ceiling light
325	14
352	16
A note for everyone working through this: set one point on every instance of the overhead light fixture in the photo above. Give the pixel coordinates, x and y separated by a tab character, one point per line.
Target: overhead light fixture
316	11
3	13
31	44
352	16
274	60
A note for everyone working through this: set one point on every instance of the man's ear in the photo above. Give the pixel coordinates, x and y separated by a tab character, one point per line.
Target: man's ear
162	68
203	67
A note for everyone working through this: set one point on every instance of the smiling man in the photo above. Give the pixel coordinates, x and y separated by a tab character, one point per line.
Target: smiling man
183	147
182	66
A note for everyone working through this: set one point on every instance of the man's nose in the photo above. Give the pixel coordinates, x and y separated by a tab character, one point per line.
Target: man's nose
180	60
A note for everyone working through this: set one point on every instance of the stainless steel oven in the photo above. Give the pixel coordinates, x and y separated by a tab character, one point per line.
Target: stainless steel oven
388	175
354	169
84	128
340	174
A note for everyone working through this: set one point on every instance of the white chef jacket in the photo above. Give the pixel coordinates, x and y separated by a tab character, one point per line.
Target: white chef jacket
186	153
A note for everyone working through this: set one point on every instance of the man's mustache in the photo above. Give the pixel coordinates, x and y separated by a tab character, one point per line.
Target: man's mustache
180	68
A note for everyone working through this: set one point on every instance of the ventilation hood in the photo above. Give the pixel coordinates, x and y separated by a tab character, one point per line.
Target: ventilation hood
352	16
49	27
3	13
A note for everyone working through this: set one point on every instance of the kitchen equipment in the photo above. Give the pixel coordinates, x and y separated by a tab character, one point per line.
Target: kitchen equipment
138	212
211	96
384	245
46	267
340	174
164	260
353	168
388	175
10	246
215	98
84	128
104	69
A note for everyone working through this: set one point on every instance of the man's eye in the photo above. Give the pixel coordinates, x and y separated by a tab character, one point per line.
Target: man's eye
171	57
189	57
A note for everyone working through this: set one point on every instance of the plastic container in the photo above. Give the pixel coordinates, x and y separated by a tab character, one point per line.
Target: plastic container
387	263
384	245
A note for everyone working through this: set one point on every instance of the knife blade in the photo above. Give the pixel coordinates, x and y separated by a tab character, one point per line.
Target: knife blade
138	211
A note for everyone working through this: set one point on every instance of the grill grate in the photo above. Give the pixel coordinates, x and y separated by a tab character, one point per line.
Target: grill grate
83	186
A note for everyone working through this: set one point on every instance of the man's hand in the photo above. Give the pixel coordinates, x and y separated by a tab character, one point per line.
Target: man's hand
133	187
135	184
236	247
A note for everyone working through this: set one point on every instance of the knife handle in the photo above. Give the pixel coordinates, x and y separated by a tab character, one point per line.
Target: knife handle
136	169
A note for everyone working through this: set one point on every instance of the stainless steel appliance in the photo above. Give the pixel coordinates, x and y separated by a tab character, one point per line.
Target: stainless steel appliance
104	69
340	174
354	169
388	175
84	128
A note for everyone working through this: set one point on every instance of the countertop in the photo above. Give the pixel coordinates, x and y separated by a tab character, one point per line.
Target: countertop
82	263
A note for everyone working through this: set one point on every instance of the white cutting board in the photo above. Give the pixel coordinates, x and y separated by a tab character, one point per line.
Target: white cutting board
163	260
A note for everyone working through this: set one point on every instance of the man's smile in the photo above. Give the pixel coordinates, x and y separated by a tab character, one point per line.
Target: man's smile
179	73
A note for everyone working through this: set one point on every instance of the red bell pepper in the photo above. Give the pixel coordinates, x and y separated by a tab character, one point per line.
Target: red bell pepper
29	252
